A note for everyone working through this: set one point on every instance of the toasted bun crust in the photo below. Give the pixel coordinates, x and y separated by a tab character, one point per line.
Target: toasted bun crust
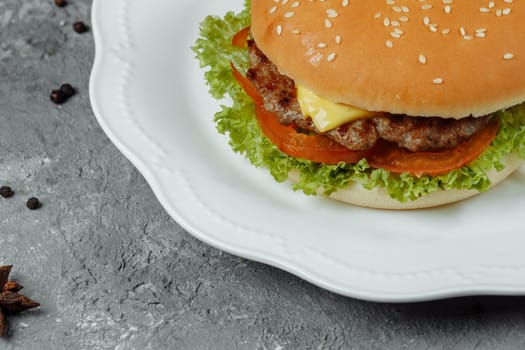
420	58
379	198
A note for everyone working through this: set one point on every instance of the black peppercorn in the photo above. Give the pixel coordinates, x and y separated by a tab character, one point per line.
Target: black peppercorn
61	3
80	27
33	203
67	90
57	97
6	192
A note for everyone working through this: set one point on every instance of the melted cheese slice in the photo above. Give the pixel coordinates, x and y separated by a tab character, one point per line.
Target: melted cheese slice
327	115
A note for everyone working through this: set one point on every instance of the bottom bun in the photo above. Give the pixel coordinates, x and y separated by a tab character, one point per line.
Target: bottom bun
379	198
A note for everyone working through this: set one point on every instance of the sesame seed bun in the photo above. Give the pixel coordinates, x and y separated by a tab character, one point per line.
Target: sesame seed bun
379	198
446	58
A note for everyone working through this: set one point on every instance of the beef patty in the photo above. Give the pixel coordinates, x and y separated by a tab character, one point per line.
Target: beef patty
413	133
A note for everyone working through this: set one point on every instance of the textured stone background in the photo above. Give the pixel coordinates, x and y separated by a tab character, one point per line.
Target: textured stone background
113	271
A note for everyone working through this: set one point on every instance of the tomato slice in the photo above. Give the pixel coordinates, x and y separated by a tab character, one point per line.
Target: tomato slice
240	39
397	160
247	86
389	156
316	148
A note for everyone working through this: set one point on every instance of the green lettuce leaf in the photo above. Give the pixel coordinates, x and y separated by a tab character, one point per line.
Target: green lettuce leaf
214	51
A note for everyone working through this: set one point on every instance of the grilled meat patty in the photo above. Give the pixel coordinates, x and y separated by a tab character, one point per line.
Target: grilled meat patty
416	134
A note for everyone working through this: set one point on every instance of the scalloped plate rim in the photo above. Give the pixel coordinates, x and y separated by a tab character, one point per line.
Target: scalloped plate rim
155	183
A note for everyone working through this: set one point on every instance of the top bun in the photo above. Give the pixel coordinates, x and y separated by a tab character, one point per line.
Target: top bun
446	58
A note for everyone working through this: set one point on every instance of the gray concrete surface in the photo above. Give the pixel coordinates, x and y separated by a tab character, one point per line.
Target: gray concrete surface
113	271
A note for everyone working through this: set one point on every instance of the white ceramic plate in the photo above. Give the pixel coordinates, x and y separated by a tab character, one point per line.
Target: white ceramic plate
148	94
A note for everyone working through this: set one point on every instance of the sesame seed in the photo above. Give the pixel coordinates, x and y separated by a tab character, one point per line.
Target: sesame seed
327	23
331	57
322	45
395	35
289	14
506	11
272	10
332	13
338	39
438	81
508	56
345	3
295	4
279	29
389	44
422	59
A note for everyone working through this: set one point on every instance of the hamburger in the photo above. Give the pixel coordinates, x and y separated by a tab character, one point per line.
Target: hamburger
386	104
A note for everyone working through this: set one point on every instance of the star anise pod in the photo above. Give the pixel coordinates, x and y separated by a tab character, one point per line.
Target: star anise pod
10	301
